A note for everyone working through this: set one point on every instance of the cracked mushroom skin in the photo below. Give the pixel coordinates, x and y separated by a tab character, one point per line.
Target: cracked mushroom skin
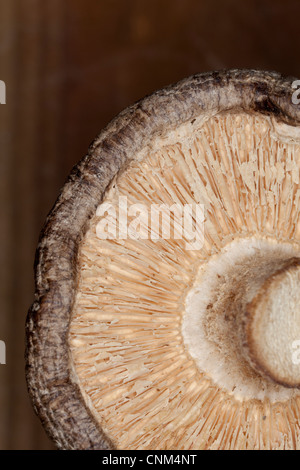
144	343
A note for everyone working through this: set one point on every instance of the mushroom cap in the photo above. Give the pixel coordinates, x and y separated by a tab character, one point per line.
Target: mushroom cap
113	356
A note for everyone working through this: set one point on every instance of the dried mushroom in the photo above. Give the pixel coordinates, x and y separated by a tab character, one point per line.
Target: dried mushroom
151	342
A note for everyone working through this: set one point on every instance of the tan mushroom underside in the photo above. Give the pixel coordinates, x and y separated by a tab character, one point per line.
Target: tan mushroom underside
137	366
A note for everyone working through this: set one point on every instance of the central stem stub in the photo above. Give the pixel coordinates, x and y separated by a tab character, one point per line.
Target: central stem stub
223	328
271	326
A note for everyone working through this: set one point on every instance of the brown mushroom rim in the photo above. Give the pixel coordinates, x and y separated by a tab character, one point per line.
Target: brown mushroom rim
147	331
57	392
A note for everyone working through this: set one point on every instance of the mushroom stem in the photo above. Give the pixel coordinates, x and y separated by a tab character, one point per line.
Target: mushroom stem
271	326
242	318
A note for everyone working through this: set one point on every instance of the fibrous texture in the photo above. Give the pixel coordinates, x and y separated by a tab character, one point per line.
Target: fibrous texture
153	344
147	343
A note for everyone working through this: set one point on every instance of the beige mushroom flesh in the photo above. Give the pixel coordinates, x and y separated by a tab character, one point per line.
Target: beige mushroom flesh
169	344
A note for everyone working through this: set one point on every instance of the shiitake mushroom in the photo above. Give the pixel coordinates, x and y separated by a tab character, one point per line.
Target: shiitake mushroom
142	343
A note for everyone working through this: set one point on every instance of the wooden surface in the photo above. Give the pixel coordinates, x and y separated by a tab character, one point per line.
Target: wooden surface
69	67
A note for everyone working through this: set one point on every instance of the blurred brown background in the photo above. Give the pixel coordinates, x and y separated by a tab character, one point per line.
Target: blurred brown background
69	67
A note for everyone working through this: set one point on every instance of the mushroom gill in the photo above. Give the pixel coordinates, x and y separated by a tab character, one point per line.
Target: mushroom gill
169	345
